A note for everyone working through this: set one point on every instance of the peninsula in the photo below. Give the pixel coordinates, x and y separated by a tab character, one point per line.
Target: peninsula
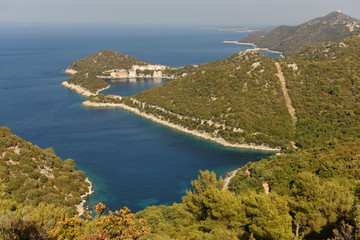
247	100
88	73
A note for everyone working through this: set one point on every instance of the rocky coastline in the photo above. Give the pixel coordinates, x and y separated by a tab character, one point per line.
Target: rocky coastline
153	118
80	207
256	48
228	177
80	90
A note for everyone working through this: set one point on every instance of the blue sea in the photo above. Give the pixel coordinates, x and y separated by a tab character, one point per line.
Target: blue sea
131	161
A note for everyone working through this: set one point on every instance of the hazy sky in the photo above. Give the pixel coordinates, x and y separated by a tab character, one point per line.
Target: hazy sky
172	12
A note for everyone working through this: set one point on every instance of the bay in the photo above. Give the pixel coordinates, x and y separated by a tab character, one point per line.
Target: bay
131	161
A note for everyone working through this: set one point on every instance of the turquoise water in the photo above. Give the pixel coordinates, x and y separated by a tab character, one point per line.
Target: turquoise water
131	161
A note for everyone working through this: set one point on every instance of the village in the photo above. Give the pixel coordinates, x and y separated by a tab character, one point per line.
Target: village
153	71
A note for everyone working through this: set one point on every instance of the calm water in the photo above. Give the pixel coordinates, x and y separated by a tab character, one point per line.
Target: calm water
131	161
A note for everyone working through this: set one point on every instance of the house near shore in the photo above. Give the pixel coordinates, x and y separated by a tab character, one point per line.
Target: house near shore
113	96
132	73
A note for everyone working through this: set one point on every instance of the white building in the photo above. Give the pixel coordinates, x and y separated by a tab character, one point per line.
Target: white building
132	73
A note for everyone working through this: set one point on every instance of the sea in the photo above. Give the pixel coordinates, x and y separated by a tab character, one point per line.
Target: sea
131	161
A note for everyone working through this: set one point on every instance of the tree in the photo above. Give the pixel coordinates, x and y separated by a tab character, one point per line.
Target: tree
268	216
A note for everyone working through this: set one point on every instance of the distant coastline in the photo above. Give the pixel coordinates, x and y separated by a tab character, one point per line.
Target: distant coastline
256	48
205	136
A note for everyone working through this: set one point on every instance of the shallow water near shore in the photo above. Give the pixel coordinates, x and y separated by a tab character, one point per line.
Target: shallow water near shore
131	161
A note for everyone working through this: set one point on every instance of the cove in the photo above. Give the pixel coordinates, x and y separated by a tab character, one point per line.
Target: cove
132	162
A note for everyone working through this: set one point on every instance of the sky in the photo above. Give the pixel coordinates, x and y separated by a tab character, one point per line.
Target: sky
172	12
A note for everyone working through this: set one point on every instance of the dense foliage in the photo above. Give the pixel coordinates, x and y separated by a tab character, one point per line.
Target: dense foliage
35	183
238	98
325	91
87	80
290	39
105	60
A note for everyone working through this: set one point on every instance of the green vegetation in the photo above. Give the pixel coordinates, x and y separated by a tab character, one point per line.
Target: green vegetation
120	225
289	40
100	98
314	191
87	80
178	72
325	92
238	98
310	191
36	184
105	60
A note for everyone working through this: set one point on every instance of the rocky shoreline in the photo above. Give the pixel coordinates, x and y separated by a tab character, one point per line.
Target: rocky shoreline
228	177
205	136
80	207
256	48
80	90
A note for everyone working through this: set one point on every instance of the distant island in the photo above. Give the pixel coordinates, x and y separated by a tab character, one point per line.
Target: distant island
290	39
232	29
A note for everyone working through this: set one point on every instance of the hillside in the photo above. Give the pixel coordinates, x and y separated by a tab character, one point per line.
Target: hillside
238	99
35	183
289	39
87	81
241	99
323	83
307	193
105	60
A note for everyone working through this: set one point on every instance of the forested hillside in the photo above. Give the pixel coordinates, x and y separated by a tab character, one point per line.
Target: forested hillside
324	85
87	80
36	184
105	60
238	99
290	39
312	191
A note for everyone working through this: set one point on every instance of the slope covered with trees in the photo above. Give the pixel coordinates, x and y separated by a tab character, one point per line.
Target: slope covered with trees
290	39
87	80
105	60
311	192
36	184
238	99
323	83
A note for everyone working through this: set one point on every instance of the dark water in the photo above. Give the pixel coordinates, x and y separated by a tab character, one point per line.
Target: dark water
130	160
